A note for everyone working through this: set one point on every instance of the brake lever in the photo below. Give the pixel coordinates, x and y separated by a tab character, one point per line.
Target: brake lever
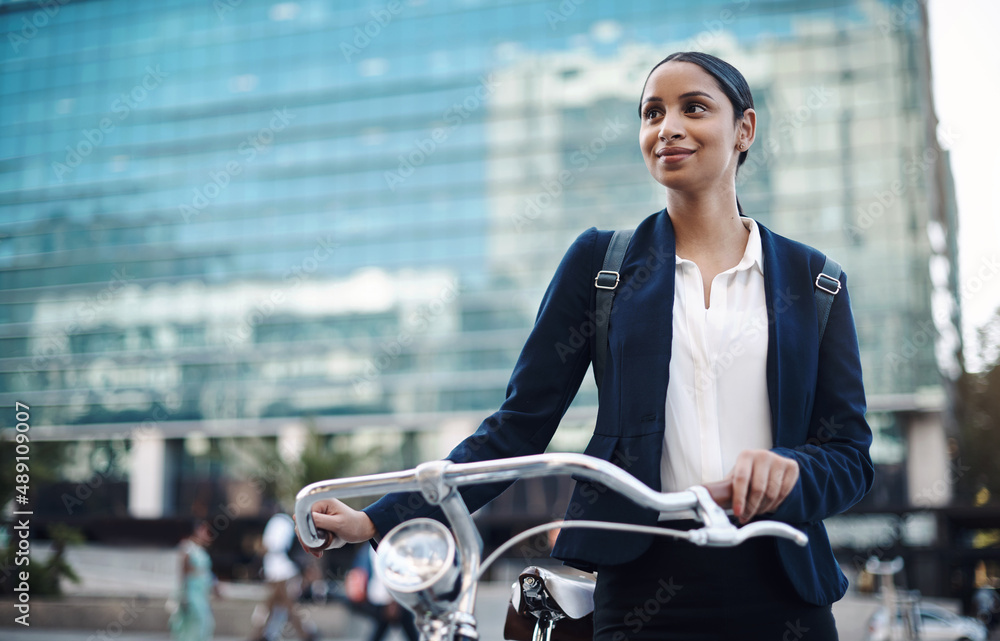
772	528
720	532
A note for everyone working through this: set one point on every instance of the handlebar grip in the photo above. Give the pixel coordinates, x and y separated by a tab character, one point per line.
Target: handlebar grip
316	538
309	534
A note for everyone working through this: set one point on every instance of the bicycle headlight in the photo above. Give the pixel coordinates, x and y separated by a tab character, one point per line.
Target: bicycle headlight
418	564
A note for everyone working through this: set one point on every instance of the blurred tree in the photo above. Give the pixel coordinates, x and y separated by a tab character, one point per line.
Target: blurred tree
977	468
323	456
45	576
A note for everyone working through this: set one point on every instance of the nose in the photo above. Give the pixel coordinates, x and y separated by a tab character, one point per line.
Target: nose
670	128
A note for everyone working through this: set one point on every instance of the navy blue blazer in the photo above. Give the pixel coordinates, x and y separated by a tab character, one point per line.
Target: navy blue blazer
815	391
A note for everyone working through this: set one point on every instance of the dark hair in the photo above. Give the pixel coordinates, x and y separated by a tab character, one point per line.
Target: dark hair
730	80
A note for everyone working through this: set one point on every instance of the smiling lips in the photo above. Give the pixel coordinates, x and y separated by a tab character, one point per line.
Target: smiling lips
673	154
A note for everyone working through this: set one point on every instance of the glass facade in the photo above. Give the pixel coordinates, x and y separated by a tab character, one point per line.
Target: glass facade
223	216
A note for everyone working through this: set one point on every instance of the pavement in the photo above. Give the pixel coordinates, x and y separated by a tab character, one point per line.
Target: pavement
113	578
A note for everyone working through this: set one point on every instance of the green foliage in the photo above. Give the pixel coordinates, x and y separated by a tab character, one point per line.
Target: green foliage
978	414
323	457
44	576
321	460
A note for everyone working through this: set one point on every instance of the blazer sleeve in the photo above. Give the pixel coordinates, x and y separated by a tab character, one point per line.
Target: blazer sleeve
545	380
835	468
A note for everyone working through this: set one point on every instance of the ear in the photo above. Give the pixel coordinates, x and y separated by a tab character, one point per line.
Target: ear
746	129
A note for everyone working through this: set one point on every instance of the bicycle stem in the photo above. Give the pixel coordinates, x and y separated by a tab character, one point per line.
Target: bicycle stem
431	479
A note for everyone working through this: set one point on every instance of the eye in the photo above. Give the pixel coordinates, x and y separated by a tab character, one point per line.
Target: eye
650	113
695	107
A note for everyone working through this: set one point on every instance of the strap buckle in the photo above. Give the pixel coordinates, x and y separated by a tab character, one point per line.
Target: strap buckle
828	288
606	280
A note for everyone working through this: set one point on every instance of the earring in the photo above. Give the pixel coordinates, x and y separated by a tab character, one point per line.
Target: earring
743	146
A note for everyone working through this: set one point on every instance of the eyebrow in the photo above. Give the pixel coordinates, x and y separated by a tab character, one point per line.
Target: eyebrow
689	94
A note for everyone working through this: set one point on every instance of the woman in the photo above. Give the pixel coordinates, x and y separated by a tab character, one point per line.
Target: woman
193	620
715	375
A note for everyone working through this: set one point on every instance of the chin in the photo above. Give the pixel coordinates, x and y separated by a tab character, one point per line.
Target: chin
673	181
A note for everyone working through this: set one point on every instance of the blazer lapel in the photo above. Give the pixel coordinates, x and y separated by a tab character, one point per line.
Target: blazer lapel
772	280
641	326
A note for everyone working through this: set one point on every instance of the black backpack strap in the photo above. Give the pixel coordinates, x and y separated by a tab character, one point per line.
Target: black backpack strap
606	282
827	286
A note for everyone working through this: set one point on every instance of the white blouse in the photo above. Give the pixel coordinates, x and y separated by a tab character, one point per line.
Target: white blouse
717	402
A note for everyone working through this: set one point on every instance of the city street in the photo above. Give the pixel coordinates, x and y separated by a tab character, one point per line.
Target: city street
852	614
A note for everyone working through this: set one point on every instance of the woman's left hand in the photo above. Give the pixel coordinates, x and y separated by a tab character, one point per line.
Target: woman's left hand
761	480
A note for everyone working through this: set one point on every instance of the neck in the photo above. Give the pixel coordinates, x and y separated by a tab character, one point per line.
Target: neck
706	223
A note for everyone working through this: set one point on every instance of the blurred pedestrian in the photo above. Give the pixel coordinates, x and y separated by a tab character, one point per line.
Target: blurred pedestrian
366	591
193	620
283	580
987	606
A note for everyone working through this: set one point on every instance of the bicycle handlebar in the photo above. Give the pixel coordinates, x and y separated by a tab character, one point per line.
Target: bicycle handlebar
435	480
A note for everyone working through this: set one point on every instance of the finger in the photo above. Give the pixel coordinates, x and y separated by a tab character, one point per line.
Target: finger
318	551
789	481
785	474
758	486
740	484
721	492
773	496
332	526
329	522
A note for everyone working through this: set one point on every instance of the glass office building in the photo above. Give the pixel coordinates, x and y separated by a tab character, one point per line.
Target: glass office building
239	217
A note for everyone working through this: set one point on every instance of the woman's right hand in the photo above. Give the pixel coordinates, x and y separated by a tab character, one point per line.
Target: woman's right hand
340	523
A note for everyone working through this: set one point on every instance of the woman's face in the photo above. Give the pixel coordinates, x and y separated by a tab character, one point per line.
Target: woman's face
689	137
203	534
